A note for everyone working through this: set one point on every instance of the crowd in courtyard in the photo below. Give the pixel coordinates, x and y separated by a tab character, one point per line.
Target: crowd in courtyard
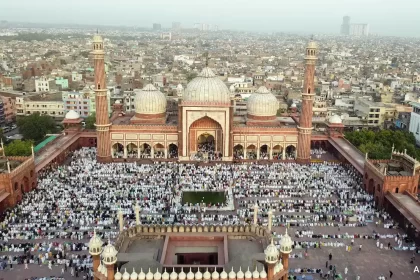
52	224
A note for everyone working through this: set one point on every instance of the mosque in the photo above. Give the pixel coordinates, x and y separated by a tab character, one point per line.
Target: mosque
205	125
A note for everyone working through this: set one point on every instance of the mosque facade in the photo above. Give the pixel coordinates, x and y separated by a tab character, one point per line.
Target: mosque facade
205	118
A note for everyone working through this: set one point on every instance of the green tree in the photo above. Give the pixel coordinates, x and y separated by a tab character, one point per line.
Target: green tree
18	148
35	127
90	121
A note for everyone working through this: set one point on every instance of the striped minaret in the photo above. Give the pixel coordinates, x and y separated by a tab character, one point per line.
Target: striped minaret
102	116
305	120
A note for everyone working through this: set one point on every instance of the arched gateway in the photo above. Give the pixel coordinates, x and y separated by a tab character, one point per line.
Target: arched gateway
205	138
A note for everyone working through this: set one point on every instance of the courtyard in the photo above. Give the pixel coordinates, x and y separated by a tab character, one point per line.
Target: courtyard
203	197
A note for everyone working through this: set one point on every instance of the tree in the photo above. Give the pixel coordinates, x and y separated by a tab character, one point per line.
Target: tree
19	148
36	126
90	121
191	76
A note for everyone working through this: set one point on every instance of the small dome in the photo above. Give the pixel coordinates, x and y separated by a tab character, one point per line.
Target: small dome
232	274
126	275
141	275
286	244
207	87
118	275
271	253
133	275
165	275
149	100
157	275
248	274
207	274
293	105
240	274
182	275
312	45
100	267
255	274
97	38
263	274
95	244
335	120
149	275
278	267
174	275
215	274
198	275
223	274
118	101
262	103
109	254
190	275
72	115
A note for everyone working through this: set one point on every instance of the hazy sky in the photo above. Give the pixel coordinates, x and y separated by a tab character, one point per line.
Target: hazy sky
386	17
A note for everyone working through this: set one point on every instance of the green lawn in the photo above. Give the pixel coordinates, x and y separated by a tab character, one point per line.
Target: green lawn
206	197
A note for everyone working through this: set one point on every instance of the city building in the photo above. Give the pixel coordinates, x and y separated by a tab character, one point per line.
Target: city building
62	83
157	26
77	101
345	26
166	36
44	84
176	25
9	108
415	121
359	29
45	104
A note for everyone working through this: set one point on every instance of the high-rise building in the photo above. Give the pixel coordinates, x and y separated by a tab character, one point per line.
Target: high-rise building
157	26
176	25
359	29
345	26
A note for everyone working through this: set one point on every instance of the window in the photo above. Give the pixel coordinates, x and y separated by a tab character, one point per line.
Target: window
418	129
376	115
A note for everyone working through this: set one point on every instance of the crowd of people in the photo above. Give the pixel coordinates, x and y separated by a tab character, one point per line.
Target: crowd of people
54	222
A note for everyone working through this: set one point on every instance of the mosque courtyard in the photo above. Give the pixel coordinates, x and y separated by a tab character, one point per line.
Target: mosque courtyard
322	206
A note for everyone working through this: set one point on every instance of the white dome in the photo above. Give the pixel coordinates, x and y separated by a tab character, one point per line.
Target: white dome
190	275
141	275
150	100
223	274
198	275
149	275
95	244
182	274
109	254
262	103
293	105
255	274
232	274
271	253
207	87
174	275
286	244
72	115
97	38
240	274
126	275
207	274
133	275
335	119
118	275
263	274
165	275
215	275
248	274
157	275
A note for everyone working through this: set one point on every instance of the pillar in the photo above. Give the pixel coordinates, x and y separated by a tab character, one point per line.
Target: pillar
283	154
137	210
255	214
270	153
125	151
166	153
101	99
96	261
270	271
110	271
121	220
258	153
138	152
270	219
152	152
308	94
245	153
285	263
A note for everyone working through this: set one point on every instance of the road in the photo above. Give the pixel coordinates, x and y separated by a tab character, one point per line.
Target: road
12	132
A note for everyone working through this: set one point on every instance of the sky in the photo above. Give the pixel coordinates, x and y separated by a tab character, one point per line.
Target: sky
385	17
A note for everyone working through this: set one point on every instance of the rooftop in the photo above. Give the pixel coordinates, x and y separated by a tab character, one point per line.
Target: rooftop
56	96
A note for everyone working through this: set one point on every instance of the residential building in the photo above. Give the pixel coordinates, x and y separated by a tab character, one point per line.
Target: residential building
79	102
415	121
45	104
62	83
44	84
9	108
157	26
359	29
345	27
76	77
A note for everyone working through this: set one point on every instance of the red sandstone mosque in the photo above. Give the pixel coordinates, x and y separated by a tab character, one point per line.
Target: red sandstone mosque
205	118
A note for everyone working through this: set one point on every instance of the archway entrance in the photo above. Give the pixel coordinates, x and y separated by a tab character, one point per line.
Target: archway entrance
205	140
145	151
238	152
290	152
173	151
118	150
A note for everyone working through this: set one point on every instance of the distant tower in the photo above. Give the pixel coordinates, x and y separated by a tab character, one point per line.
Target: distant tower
305	120
102	117
345	27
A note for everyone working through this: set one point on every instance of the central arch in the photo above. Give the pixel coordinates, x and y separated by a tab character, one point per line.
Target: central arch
205	136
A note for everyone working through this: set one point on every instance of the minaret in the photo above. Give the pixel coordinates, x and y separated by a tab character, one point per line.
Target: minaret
102	116
305	120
